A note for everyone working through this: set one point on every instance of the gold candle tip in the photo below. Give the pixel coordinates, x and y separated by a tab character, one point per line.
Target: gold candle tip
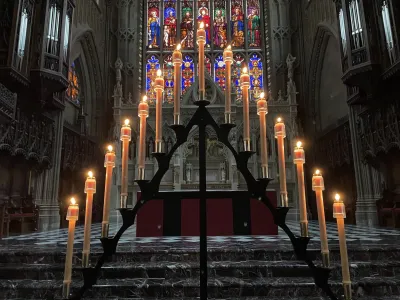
245	70
299	144
144	99
126	122
262	95
90	174
73	201
159	73
178	47
201	25
337	197
279	120
228	47
110	148
317	172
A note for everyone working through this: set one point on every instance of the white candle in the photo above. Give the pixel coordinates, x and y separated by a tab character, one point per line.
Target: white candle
228	59
201	41
318	186
245	85
126	134
280	134
159	88
90	189
299	160
109	164
262	111
177	60
143	113
72	217
339	212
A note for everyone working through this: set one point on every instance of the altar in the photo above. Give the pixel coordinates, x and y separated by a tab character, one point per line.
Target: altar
228	213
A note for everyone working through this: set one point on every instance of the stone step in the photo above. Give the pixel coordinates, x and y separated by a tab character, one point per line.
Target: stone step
220	287
136	254
171	270
235	298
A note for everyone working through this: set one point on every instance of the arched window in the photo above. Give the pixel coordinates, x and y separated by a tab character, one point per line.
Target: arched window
73	90
228	22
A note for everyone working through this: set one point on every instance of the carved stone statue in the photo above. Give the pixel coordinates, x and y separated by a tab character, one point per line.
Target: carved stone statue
188	172
290	61
223	171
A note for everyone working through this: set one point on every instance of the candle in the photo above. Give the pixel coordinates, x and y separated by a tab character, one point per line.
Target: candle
90	189
318	186
159	88
339	212
109	164
245	85
201	41
280	134
299	160
262	111
177	60
143	113
228	59
125	138
72	217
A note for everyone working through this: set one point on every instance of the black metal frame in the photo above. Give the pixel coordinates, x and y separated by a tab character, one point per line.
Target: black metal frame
256	188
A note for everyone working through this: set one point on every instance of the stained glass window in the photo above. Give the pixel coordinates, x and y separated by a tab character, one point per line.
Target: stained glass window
153	64
73	87
187	72
227	22
168	69
219	71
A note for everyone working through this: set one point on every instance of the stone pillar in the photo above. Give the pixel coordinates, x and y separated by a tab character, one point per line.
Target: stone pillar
47	183
367	180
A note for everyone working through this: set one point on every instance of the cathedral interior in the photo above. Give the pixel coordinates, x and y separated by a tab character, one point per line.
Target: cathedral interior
71	73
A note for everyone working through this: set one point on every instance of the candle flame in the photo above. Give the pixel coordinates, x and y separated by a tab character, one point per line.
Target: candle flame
126	122
90	174
262	95
337	197
279	120
178	47
317	172
110	148
201	25
299	144
144	99
245	70
159	73
73	201
228	47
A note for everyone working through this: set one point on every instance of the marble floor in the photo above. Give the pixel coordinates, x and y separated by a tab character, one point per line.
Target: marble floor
355	234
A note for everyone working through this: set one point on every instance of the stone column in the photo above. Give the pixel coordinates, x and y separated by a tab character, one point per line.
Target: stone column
367	179
47	183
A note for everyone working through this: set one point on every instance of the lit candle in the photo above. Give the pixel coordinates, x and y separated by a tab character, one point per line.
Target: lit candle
201	41
126	134
143	113
90	189
299	160
262	111
339	212
245	85
72	217
177	60
109	164
159	88
228	59
318	186
280	134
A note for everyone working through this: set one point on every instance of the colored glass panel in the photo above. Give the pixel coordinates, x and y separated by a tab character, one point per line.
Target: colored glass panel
170	24
73	87
203	16
168	79
153	24
237	24
220	26
153	64
256	75
238	64
219	71
187	25
187	73
253	23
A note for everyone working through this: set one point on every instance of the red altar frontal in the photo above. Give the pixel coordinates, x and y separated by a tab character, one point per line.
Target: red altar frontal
237	215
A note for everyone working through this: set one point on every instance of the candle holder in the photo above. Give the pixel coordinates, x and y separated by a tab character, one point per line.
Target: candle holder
339	213
109	164
262	111
90	189
299	160
126	135
150	189
228	60
280	135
